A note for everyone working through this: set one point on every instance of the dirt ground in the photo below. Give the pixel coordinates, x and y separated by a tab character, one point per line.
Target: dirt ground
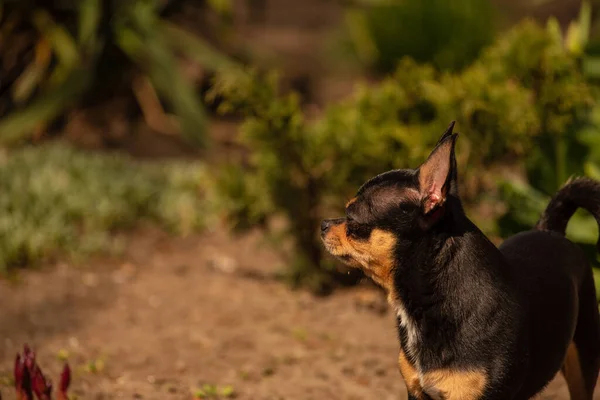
176	314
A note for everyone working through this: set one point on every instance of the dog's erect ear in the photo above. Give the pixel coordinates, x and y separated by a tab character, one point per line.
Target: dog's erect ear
447	133
437	172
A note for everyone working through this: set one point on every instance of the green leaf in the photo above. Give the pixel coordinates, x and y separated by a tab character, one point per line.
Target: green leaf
591	66
582	228
88	20
20	124
585	21
597	279
553	28
578	33
59	37
137	36
592	170
33	74
228	391
196	48
526	203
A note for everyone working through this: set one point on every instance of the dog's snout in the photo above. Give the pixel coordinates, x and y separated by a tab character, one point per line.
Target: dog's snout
325	225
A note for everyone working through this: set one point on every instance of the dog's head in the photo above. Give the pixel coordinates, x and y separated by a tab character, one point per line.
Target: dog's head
392	209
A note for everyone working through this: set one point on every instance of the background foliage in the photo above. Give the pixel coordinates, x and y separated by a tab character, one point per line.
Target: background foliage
69	52
449	34
58	200
525	99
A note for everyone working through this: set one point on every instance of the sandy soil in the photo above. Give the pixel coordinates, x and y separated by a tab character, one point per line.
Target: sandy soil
175	315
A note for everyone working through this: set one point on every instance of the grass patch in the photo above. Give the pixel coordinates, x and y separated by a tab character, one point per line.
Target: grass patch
57	200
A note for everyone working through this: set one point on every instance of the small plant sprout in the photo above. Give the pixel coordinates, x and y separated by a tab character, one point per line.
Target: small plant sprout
30	380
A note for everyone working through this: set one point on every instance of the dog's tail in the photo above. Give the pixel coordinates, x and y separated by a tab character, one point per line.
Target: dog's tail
578	192
582	361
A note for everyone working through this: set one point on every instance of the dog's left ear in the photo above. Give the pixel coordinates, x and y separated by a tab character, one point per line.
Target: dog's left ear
438	173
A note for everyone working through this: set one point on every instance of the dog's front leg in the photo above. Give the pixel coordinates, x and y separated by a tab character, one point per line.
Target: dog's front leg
411	378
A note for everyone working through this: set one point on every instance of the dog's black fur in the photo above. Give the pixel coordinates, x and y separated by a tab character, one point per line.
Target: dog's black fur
502	320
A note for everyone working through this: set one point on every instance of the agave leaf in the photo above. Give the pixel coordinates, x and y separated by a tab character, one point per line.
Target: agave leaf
88	21
20	124
138	38
195	48
59	37
26	83
597	279
31	77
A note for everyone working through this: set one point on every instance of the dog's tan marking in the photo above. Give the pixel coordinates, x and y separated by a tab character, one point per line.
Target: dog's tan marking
374	256
571	370
448	384
410	376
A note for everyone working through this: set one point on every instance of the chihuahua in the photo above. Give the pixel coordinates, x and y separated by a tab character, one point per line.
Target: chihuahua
474	321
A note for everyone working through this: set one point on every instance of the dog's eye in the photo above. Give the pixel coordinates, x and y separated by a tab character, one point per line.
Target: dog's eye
357	230
406	208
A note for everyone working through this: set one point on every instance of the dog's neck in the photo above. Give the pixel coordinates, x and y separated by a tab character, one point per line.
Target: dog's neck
429	293
424	260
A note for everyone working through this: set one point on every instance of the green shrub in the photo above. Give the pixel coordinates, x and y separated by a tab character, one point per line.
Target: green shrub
521	90
447	33
56	199
567	141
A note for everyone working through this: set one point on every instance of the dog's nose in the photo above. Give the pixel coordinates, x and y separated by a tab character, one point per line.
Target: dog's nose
325	225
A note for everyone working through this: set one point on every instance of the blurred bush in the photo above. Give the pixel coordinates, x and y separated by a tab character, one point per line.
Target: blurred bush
558	69
56	54
56	199
449	34
523	90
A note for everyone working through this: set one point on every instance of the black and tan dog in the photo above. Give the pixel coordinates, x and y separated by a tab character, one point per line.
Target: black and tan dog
475	321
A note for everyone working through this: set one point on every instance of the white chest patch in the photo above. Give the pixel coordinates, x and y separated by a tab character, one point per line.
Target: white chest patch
409	325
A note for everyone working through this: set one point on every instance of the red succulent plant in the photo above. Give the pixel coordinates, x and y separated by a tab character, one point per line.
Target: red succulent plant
30	380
